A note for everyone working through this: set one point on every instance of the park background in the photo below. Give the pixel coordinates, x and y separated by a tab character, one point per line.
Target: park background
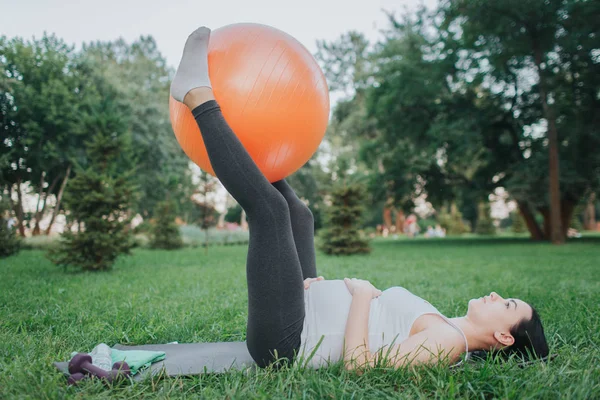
480	117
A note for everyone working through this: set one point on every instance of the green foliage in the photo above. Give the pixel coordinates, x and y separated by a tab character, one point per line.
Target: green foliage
165	233
443	104
141	76
452	221
425	222
485	224
554	42
341	235
42	91
45	86
518	225
234	214
99	198
577	218
10	243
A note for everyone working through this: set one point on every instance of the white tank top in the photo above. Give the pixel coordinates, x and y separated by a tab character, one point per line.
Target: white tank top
327	305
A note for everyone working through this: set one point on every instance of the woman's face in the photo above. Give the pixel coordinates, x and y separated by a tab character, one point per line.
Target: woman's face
496	315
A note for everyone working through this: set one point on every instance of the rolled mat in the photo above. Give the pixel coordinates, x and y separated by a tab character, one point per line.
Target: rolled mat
190	359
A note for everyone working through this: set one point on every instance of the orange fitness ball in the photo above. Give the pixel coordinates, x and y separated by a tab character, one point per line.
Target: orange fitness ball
272	93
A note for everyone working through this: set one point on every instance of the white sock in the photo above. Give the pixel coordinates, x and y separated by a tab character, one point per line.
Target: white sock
193	67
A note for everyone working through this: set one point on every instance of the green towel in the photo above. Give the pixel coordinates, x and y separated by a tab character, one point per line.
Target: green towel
137	359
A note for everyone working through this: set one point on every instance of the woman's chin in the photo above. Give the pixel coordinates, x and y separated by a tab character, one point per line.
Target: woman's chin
471	305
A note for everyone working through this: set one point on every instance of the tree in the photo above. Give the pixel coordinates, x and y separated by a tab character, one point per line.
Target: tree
39	108
99	198
140	74
553	41
456	117
165	233
341	235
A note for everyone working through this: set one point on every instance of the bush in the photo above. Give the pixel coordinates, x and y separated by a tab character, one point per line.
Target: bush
485	225
144	228
165	232
99	198
341	235
453	222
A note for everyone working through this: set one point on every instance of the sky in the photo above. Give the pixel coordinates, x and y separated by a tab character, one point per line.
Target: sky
170	21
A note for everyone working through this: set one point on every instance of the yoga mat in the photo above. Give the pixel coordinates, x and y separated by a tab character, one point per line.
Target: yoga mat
190	358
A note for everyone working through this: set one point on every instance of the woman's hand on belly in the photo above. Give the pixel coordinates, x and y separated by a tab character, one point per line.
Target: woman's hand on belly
309	281
361	286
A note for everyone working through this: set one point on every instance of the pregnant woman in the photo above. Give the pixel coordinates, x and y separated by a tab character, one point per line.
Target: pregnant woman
292	314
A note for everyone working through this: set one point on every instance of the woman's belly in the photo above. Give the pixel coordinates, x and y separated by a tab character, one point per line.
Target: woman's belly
327	306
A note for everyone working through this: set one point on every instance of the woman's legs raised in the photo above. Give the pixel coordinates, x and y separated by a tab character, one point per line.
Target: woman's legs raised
274	275
303	226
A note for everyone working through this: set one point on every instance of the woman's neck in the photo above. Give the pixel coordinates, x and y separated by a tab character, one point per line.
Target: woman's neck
476	338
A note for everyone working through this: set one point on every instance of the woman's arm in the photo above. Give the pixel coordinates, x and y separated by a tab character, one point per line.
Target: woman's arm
423	348
426	347
356	334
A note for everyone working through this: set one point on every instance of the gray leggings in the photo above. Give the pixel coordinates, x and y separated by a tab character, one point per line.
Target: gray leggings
281	251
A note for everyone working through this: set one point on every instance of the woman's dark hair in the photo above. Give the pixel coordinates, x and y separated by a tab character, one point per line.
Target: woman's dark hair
530	340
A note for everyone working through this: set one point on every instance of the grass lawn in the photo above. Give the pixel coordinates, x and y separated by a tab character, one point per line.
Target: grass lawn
186	296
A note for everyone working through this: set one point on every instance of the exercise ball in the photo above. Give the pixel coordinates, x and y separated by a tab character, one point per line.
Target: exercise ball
272	93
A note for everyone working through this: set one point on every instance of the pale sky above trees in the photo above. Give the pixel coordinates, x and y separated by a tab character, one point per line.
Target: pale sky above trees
170	21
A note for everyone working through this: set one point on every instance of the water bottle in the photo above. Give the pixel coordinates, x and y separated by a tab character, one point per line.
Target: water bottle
101	357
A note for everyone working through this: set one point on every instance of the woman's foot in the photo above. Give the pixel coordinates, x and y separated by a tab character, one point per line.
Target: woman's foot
192	72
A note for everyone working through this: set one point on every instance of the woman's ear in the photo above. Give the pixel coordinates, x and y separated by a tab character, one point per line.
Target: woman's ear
504	338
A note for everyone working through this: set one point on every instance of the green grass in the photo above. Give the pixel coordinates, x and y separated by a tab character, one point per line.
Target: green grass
185	296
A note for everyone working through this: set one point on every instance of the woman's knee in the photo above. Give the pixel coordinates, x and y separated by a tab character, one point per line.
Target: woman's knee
274	205
302	212
266	349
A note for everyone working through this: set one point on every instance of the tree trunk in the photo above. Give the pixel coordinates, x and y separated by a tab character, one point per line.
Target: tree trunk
400	222
589	216
556	231
58	200
19	210
16	207
36	228
532	225
39	216
387	218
